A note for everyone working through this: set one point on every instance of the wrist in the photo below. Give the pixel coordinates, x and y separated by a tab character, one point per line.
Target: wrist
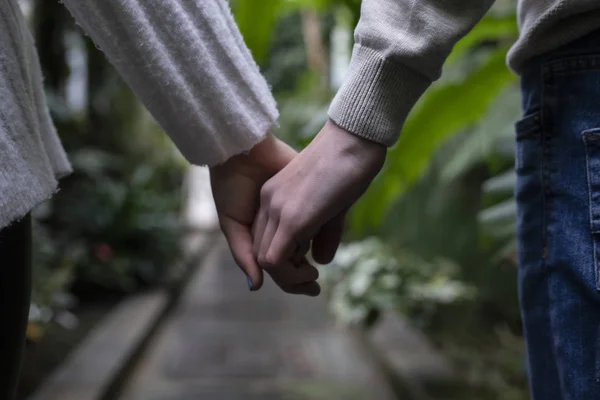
365	151
265	158
250	157
264	154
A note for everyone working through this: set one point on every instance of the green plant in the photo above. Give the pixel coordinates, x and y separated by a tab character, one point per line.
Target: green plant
121	231
368	276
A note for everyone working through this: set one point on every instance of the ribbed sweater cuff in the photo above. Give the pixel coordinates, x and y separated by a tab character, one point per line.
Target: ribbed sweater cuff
377	96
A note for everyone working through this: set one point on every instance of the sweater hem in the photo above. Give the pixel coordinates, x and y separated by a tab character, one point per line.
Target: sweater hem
19	205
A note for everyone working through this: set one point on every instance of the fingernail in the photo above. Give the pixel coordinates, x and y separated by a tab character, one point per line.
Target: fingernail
250	286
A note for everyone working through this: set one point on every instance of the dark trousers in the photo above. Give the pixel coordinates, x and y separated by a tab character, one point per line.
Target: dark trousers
15	292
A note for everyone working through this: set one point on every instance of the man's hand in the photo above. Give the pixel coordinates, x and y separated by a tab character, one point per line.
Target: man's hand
309	198
236	188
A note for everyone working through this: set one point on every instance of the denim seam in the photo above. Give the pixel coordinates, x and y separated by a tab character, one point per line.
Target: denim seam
527	128
567	71
594	246
545	136
542	161
586	136
572	64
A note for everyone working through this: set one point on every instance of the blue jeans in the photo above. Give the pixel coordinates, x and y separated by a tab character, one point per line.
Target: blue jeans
558	220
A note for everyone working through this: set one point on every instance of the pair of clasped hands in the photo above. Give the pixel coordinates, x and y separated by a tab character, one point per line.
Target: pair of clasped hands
275	205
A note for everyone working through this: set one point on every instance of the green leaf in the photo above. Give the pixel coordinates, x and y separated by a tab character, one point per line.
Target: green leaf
492	136
490	28
501	213
499	220
501	184
443	112
257	24
295	5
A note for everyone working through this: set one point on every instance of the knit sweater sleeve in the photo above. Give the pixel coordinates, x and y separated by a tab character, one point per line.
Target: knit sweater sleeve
186	62
400	49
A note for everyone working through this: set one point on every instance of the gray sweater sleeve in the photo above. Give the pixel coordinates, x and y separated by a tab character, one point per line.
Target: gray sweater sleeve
187	63
401	46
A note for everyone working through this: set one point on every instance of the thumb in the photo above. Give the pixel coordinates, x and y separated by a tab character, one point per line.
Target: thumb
327	240
240	242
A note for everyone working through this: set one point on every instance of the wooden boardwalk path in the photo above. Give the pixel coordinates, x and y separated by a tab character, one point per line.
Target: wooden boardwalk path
224	342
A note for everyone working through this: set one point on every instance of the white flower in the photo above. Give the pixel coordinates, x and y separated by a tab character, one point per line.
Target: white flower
360	284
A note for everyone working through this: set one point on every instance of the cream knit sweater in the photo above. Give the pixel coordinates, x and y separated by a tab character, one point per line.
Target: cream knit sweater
184	59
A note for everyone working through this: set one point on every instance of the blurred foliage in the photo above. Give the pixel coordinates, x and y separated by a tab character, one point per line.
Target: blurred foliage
369	275
442	209
113	226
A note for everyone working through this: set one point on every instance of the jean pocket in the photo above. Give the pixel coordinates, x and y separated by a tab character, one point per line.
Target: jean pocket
528	148
591	139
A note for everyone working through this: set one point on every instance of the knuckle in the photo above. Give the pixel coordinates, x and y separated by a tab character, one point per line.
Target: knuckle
276	261
271	260
266	193
291	221
261	260
266	263
276	208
